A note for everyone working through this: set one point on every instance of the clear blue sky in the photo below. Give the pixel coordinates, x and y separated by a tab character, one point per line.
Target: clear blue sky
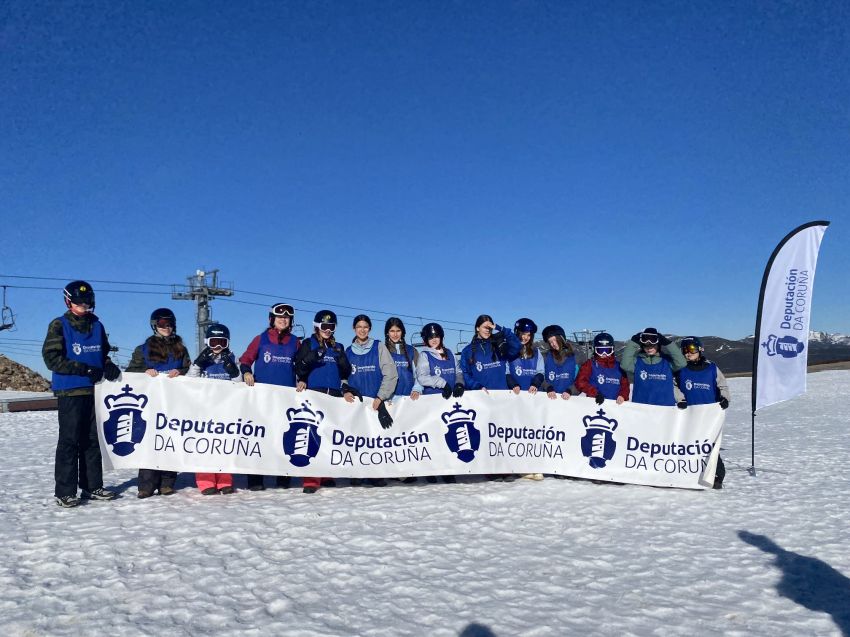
599	165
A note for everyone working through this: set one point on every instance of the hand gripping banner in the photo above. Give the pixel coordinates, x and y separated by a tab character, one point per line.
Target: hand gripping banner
193	424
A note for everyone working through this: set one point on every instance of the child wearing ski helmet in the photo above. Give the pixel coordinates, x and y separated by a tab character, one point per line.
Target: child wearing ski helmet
525	372
702	383
483	360
559	364
652	359
321	365
601	376
271	355
76	351
218	362
404	356
162	353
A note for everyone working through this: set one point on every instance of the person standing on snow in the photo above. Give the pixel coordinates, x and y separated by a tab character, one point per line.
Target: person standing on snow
405	358
601	376
652	359
76	350
165	353
272	355
559	364
525	372
483	360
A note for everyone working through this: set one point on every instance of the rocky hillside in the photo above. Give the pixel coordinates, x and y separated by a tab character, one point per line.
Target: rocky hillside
17	377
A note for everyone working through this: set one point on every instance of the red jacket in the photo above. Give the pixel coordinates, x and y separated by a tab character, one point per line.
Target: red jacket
584	385
250	356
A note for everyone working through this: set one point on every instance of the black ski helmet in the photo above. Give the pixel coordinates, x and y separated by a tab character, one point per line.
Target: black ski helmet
524	325
554	330
603	339
216	330
432	330
324	316
691	341
163	313
79	292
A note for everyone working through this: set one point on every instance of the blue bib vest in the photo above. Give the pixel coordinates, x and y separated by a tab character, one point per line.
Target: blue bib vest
275	361
562	376
606	379
325	375
442	368
523	370
699	386
217	371
653	383
366	373
82	348
484	370
404	368
161	366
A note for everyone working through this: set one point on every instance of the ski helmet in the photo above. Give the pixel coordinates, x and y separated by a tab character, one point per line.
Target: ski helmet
691	344
281	309
603	344
79	292
217	335
524	325
432	330
326	317
554	330
163	317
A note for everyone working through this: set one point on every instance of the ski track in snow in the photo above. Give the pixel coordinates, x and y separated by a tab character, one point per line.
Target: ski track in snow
525	558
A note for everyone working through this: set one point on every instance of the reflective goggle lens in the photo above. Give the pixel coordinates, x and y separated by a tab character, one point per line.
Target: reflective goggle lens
690	348
218	341
283	309
165	322
327	326
604	350
649	339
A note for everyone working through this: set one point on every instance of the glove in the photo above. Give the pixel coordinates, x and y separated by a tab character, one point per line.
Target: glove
95	374
111	371
384	416
636	338
458	390
600	399
682	404
663	340
447	391
205	358
230	366
724	403
348	389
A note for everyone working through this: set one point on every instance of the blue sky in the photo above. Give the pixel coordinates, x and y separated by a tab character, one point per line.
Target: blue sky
597	165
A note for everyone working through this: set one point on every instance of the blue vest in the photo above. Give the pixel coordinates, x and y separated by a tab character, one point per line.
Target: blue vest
217	371
161	366
82	348
523	370
653	383
404	368
325	375
366	373
606	379
274	364
442	368
483	369
562	376
699	386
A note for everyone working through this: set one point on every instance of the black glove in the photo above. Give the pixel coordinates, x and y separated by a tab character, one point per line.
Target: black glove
384	416
682	404
205	358
447	391
600	399
663	340
636	338
348	389
95	374
458	390
724	403
230	366
111	371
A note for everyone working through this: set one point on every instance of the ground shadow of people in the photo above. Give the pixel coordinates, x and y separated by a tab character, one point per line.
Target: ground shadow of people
808	581
476	630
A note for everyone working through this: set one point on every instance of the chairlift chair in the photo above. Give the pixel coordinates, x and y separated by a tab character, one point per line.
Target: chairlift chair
7	317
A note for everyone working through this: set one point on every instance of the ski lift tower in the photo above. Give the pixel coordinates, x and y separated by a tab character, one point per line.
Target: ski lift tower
584	339
202	288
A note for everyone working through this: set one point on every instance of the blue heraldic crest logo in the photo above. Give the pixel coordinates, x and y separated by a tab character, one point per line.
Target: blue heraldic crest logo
787	346
301	441
125	427
598	442
462	437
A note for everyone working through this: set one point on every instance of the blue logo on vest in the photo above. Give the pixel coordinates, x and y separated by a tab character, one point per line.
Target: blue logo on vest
479	366
598	443
301	441
462	437
689	385
601	379
267	357
125	427
354	369
77	348
787	346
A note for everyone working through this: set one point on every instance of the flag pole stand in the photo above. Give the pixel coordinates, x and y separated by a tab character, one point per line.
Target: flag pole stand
752	469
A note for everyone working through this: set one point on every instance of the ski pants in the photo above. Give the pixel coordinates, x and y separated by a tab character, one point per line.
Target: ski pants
78	459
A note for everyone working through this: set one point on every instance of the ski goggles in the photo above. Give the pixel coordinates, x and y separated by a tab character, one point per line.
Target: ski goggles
604	350
327	327
690	348
648	339
218	341
165	322
283	309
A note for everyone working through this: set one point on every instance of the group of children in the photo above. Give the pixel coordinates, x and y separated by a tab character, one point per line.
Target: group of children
76	351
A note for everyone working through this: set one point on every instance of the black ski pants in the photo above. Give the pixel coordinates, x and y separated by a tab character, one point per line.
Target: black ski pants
78	459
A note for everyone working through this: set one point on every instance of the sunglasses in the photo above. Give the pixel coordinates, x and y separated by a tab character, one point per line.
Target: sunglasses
649	339
604	350
690	348
327	327
283	309
165	322
218	341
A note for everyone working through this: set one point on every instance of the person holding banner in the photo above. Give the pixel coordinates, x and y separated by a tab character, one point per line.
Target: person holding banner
702	383
483	360
321	365
601	376
652	359
525	372
559	364
271	355
405	358
218	362
163	352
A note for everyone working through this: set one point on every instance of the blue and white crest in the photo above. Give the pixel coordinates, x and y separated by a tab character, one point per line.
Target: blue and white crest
643	374
438	371
518	370
76	348
354	369
125	427
267	356
479	366
301	441
598	442
689	385
600	379
462	437
551	375
787	346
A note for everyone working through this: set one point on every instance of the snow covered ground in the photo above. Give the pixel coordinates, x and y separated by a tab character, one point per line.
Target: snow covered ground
765	556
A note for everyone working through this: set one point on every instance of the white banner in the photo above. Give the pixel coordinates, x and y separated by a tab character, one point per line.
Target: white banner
782	334
201	425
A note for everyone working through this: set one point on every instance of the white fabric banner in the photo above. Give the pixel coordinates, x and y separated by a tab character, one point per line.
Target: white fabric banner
196	424
783	332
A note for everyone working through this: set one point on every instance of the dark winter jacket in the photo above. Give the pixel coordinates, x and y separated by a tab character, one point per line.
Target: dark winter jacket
54	350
